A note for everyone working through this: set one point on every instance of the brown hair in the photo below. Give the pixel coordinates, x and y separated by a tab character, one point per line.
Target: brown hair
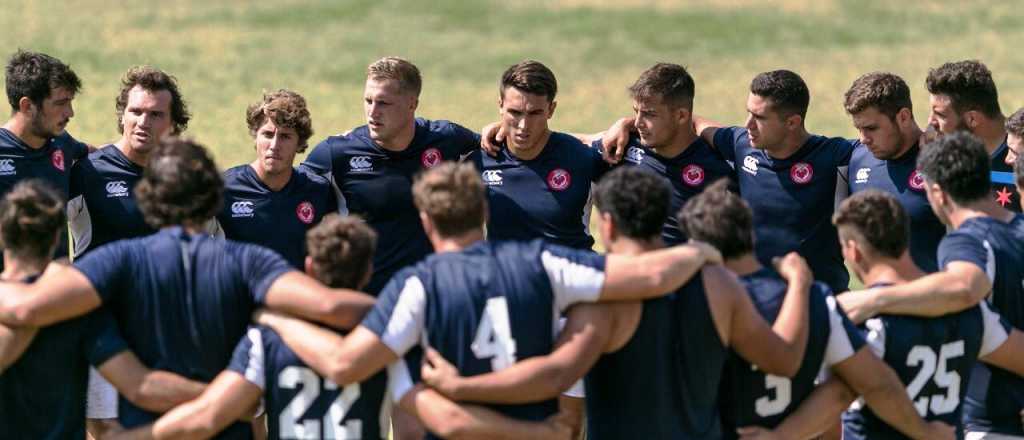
877	219
453	197
886	92
669	82
286	109
968	84
180	185
398	69
342	250
153	80
30	215
1015	123
34	75
529	77
720	218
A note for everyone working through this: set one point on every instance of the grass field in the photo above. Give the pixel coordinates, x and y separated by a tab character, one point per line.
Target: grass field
226	53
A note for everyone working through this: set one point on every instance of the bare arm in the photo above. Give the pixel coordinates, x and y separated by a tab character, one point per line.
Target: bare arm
959	287
344	360
706	128
453	421
13	343
228	398
815	415
297	294
62	292
579	346
655	273
1010	355
152	390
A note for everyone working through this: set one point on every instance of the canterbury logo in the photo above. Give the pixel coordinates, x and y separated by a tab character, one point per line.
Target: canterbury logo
360	163
491	177
635	155
242	209
7	166
117	188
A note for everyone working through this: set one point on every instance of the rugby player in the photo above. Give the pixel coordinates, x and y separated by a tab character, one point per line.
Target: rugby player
486	305
1015	143
44	372
963	97
268	194
882	112
181	297
981	260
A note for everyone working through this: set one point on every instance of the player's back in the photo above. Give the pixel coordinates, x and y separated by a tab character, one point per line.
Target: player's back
933	357
300	403
753	398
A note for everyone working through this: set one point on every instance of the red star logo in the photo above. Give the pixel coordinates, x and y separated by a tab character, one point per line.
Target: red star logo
1003	197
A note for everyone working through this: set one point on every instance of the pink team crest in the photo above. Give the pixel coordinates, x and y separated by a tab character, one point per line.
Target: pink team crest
431	157
559	179
801	172
693	175
305	212
58	159
916	181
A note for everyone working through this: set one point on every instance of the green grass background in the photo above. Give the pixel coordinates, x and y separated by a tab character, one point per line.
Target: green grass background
225	53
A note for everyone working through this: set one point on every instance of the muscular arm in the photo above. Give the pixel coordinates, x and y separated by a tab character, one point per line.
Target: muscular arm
152	390
960	286
453	421
579	345
298	294
706	128
62	292
815	415
655	273
13	343
344	360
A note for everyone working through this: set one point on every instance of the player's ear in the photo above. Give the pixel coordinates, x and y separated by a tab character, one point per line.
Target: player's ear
607	226
794	121
971	119
551	108
307	265
904	116
25	105
684	115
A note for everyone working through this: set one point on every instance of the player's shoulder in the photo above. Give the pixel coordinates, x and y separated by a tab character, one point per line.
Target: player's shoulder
339	143
862	157
307	178
234	173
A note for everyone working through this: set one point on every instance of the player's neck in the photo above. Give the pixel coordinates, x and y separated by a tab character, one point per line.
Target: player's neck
274	181
401	140
892	271
682	141
985	207
19	126
745	264
910	139
529	152
16	269
132	154
633	246
992	133
790	145
457	243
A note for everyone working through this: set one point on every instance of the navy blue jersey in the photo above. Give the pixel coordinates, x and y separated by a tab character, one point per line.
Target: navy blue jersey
183	301
51	163
793	199
377	184
487	306
302	404
933	357
545	197
279	220
1005	191
688	173
900	178
753	398
102	206
995	396
42	395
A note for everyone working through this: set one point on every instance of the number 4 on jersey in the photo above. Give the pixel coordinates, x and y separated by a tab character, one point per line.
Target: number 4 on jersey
494	335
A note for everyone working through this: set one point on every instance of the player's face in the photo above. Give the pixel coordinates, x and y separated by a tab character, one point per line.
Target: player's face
52	117
147	118
943	117
1014	147
524	116
880	133
276	147
388	110
766	127
656	122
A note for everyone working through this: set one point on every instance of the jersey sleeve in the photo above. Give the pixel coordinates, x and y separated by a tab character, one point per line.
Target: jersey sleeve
996	330
398	317
249	357
844	338
844	151
600	167
321	159
107	268
959	246
467	140
73	148
726	140
103	339
260	267
876	336
404	374
575	275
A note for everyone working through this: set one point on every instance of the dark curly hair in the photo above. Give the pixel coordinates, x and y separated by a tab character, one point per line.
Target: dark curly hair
180	185
531	77
669	82
153	80
884	91
287	109
637	201
786	90
877	219
720	218
958	163
34	75
969	86
31	214
342	250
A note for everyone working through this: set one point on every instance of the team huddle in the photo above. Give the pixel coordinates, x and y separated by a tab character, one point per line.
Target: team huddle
417	278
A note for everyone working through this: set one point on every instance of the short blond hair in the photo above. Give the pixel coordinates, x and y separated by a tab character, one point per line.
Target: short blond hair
398	69
453	197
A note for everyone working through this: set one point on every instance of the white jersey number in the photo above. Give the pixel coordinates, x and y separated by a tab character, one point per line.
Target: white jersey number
767	406
935	368
494	335
290	378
